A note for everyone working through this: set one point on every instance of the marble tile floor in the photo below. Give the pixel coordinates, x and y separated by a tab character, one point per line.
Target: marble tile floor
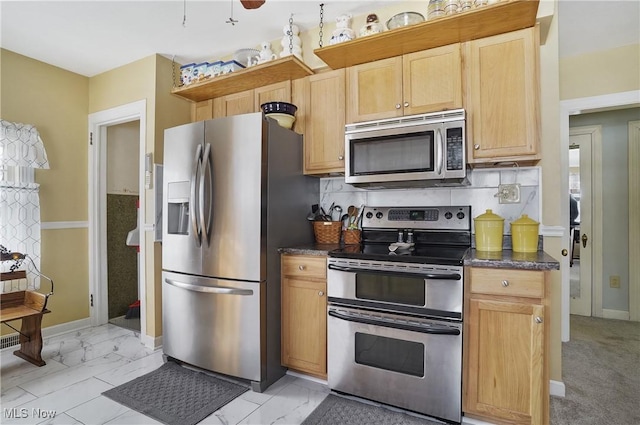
83	364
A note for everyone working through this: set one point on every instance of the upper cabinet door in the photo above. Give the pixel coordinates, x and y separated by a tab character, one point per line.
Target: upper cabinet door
432	80
374	90
233	104
503	97
324	115
278	92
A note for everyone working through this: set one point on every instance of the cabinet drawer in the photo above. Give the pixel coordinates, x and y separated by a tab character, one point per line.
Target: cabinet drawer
304	265
516	283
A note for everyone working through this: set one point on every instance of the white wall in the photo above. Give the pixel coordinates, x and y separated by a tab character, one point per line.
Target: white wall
123	158
615	200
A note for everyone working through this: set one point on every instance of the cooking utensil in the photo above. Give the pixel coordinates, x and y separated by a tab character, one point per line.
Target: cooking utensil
337	209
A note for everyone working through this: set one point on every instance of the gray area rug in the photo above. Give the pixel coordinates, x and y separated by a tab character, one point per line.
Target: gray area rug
336	410
601	372
175	395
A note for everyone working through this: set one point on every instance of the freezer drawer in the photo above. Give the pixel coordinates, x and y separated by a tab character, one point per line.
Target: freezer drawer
213	324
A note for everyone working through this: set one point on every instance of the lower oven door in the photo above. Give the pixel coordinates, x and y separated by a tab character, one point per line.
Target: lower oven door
408	362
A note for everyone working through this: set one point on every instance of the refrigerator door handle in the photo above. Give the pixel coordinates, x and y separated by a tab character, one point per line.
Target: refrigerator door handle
197	234
225	290
206	177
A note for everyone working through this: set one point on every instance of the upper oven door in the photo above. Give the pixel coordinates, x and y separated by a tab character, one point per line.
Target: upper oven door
391	154
401	287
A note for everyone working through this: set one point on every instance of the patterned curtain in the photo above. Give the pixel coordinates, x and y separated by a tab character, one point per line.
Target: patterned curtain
21	151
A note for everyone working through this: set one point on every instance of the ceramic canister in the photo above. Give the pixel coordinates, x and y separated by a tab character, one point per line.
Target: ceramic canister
489	229
524	234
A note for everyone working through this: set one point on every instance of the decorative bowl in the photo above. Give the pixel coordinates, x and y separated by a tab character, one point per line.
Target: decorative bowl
279	108
404	19
285	120
244	56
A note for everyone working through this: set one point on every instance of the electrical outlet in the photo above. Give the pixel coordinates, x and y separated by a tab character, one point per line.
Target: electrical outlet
508	193
614	281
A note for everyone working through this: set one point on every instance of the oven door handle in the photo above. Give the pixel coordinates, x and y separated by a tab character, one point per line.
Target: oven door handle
428	329
448	276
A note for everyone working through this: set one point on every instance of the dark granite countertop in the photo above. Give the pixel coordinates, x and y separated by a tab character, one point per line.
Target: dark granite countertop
507	259
310	249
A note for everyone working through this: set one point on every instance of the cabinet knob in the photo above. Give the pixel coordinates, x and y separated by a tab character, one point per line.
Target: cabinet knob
340	158
564	252
505	283
406	104
320	293
538	319
476	147
398	106
301	267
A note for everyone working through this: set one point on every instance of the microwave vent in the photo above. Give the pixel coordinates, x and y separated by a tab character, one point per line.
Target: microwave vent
430	118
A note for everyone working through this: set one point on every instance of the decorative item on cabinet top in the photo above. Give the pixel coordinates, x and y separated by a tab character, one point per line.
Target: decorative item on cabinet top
274	71
478	22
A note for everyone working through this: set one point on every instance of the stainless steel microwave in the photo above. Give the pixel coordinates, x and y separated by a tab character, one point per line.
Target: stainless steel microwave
412	151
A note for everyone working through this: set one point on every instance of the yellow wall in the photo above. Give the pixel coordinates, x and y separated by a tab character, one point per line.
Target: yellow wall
150	79
599	73
56	102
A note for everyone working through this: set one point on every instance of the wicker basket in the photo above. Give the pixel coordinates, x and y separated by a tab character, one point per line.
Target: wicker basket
351	237
327	231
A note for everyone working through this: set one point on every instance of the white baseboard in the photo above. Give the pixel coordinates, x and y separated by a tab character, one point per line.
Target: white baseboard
557	388
615	314
151	342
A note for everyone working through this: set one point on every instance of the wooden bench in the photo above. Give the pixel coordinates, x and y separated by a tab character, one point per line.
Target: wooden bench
28	306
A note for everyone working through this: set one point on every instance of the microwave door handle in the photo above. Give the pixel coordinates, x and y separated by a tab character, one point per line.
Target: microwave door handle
439	276
439	152
205	219
193	201
425	329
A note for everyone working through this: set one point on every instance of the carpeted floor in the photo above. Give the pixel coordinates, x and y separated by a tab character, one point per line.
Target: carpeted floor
601	372
176	395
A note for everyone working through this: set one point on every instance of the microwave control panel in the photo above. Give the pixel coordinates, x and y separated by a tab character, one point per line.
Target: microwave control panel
455	149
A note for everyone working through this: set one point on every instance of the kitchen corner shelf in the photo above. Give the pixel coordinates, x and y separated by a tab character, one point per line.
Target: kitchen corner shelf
498	18
275	71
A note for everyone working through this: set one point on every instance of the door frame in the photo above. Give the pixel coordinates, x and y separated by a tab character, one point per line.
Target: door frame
634	225
595	225
98	123
567	108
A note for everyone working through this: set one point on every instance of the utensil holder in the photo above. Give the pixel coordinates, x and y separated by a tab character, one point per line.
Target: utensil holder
351	237
327	231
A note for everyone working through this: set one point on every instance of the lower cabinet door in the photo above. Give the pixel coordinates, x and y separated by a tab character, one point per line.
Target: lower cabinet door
505	361
304	325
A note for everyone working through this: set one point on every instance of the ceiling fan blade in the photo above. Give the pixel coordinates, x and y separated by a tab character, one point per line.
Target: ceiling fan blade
252	4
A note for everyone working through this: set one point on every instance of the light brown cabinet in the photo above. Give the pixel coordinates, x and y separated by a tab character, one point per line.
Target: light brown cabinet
243	102
304	314
505	361
415	83
321	119
502	97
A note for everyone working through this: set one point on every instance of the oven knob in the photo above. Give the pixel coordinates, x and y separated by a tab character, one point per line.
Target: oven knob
378	215
369	214
460	215
448	215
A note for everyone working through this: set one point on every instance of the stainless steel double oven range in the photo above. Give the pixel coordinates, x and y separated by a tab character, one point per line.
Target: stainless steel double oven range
395	318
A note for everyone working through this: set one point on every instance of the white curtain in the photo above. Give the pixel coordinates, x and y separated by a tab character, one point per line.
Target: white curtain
21	150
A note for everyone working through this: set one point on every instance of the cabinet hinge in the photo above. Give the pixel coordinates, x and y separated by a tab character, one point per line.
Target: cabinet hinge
91	300
91	138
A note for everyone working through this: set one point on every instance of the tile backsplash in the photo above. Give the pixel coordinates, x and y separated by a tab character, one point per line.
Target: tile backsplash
480	194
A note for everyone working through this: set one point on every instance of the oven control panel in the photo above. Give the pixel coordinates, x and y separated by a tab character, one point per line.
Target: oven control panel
440	218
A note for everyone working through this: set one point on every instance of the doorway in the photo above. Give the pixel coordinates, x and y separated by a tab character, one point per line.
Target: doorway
99	123
123	159
569	108
584	151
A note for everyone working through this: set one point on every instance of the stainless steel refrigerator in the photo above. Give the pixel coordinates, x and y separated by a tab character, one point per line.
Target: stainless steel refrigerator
233	193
